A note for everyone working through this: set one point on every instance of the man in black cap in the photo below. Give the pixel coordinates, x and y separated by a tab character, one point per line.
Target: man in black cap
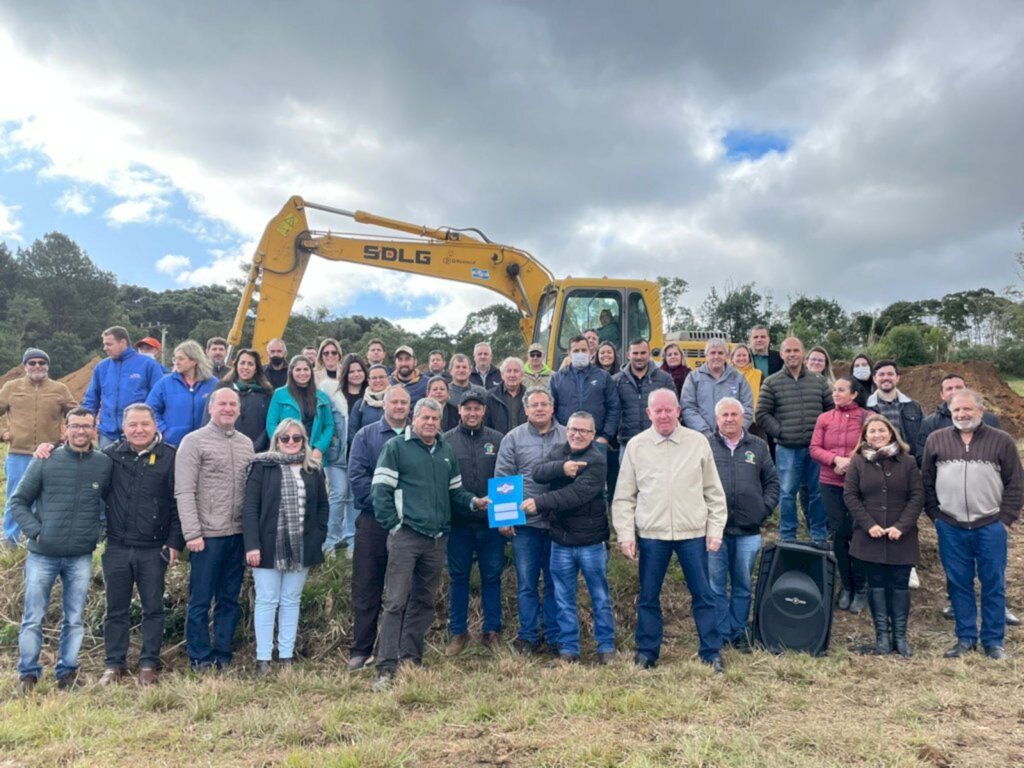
35	406
476	448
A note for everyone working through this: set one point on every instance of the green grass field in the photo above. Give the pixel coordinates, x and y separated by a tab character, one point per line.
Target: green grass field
503	710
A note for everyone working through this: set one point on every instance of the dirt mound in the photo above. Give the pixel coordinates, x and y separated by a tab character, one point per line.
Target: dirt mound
924	383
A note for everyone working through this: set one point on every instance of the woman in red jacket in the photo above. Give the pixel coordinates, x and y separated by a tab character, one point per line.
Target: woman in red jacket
836	435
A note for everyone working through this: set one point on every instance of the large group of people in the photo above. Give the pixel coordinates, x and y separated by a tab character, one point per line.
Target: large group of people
278	467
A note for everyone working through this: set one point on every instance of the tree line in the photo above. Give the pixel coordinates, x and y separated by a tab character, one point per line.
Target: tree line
54	296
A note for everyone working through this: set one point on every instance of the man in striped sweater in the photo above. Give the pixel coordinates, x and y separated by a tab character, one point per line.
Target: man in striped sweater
974	487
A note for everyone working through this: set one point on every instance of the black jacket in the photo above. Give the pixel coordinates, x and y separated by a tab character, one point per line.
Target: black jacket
575	508
633	394
141	510
263	503
749	480
477	452
504	412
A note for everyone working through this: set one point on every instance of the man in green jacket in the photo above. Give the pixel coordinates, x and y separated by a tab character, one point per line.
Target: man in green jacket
415	486
62	530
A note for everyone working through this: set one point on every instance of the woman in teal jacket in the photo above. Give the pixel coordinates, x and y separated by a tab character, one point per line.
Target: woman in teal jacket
299	399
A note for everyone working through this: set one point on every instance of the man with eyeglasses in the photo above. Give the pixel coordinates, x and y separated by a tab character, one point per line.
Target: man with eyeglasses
521	451
35	406
578	516
59	506
537	372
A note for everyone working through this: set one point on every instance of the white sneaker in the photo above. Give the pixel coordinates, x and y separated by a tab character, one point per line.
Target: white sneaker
914	582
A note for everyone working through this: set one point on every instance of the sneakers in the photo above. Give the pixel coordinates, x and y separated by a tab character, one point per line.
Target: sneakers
385	681
356	663
959	648
111	676
491	640
1011	618
262	668
25	685
148	676
995	652
914	582
457	644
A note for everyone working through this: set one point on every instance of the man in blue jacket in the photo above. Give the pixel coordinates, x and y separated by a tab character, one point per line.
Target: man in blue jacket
370	550
124	378
59	507
582	386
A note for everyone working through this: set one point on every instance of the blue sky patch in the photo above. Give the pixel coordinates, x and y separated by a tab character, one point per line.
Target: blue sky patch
753	145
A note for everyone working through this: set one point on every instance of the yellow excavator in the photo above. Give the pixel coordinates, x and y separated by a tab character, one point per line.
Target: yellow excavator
551	311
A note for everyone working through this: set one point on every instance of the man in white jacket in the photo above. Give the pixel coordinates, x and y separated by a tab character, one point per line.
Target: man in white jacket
669	499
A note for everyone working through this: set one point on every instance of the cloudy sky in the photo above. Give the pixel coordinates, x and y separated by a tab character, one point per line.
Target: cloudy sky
866	151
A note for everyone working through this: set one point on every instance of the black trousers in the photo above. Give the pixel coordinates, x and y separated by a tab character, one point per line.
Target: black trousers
881	576
840	528
369	564
123	569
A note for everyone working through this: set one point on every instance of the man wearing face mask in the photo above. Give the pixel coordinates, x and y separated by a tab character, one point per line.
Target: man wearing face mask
583	386
974	488
277	368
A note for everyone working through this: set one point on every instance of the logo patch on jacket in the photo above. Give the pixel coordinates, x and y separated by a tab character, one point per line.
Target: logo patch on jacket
488	449
95	486
748	456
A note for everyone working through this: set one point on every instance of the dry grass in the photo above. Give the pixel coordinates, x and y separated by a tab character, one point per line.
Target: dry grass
503	710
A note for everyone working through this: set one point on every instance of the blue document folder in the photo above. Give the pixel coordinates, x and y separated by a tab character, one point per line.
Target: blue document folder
506	507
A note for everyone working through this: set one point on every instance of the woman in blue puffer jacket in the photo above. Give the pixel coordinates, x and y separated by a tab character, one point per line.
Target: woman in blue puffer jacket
179	399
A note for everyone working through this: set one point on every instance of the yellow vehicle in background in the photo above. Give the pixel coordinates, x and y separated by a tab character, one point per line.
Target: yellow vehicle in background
552	311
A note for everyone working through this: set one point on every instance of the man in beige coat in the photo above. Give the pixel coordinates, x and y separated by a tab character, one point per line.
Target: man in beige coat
669	499
209	486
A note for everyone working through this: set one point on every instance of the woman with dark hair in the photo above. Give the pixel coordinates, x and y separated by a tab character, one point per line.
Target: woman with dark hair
608	358
353	379
179	399
861	371
885	495
835	436
675	365
247	378
371	407
300	399
437	388
284	523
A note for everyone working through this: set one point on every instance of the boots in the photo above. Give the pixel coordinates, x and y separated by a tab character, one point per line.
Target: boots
859	598
876	599
899	605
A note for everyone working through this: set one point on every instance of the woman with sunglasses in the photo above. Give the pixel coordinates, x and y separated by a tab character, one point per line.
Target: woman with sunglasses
328	374
300	399
284	524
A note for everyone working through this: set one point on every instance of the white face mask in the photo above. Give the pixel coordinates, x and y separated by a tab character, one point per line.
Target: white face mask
580	359
862	373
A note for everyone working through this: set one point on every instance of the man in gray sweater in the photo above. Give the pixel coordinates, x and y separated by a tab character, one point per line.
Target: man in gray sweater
209	486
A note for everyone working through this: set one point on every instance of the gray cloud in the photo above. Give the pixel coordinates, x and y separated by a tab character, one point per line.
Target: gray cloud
587	132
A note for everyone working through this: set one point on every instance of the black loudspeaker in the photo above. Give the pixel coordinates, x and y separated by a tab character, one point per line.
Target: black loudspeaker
793	599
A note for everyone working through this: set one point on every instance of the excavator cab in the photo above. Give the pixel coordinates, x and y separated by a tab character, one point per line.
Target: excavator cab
618	311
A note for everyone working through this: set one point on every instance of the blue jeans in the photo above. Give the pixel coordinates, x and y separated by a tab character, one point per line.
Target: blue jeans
489	546
795	466
215	575
963	553
278	593
566	564
531	551
41	571
655	556
337	489
14	468
733	563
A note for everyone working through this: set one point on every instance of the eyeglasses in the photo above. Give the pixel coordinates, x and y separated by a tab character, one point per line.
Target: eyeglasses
579	431
331	353
36	364
297	439
536	354
79	427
